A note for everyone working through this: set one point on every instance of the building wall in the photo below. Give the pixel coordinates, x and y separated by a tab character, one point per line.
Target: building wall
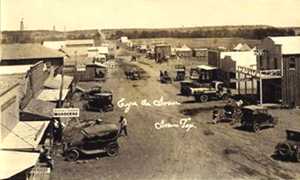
271	56
162	52
52	61
291	80
184	53
9	111
34	83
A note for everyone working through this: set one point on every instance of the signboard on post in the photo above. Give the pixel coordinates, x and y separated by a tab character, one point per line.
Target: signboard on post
66	112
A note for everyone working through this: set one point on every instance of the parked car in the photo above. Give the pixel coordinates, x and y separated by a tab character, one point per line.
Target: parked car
100	102
90	140
290	148
256	117
87	94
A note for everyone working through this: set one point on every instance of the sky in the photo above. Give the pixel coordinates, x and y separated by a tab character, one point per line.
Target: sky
103	14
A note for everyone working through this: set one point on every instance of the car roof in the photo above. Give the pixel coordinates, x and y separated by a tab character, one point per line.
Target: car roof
293	130
101	129
103	94
254	107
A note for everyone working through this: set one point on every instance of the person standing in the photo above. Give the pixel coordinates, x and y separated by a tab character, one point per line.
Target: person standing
215	115
123	125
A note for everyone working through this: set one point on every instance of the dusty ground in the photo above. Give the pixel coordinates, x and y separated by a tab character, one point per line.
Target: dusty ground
205	152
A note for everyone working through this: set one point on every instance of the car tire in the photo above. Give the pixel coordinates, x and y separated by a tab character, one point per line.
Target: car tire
112	149
284	150
72	155
203	98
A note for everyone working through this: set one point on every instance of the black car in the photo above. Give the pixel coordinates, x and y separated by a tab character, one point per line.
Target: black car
290	148
86	95
100	102
90	140
255	117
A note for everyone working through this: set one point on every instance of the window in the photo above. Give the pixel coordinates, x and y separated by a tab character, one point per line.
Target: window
292	63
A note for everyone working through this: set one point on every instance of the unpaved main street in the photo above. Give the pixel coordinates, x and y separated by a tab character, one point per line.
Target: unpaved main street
205	152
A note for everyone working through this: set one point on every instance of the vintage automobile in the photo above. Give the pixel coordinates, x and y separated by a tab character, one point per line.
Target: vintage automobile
133	74
87	94
215	90
256	117
180	72
91	140
290	148
100	102
186	85
165	78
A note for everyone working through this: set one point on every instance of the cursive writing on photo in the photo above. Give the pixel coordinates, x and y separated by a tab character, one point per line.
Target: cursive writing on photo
122	103
184	123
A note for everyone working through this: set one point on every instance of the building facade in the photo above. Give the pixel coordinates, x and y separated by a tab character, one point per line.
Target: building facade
283	54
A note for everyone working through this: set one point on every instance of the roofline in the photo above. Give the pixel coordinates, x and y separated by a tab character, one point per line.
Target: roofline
30	58
10	88
296	54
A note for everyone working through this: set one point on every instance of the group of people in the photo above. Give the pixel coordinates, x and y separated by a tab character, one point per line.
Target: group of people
234	108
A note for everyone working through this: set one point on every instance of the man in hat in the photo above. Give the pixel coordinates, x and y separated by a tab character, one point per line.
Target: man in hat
123	125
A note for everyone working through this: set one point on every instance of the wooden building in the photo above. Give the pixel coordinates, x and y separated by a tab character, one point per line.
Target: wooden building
206	55
23	147
162	52
29	54
282	54
184	52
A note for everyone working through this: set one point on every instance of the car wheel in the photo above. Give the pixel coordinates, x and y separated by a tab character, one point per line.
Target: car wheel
203	98
256	127
72	155
284	150
112	149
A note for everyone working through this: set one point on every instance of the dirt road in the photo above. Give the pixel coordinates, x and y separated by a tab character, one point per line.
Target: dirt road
205	151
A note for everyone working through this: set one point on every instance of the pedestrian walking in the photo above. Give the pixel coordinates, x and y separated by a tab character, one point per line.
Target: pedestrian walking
123	125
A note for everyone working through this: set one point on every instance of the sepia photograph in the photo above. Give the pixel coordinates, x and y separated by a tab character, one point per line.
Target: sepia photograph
149	90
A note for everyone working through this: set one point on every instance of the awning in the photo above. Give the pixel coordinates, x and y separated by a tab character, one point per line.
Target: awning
55	82
38	108
14	162
25	135
52	94
206	67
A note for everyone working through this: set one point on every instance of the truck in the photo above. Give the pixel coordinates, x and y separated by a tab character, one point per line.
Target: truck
215	90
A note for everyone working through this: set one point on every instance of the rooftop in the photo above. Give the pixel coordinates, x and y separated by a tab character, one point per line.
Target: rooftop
290	44
79	42
27	51
7	83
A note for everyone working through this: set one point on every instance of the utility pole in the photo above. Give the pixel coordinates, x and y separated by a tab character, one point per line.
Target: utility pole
60	101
